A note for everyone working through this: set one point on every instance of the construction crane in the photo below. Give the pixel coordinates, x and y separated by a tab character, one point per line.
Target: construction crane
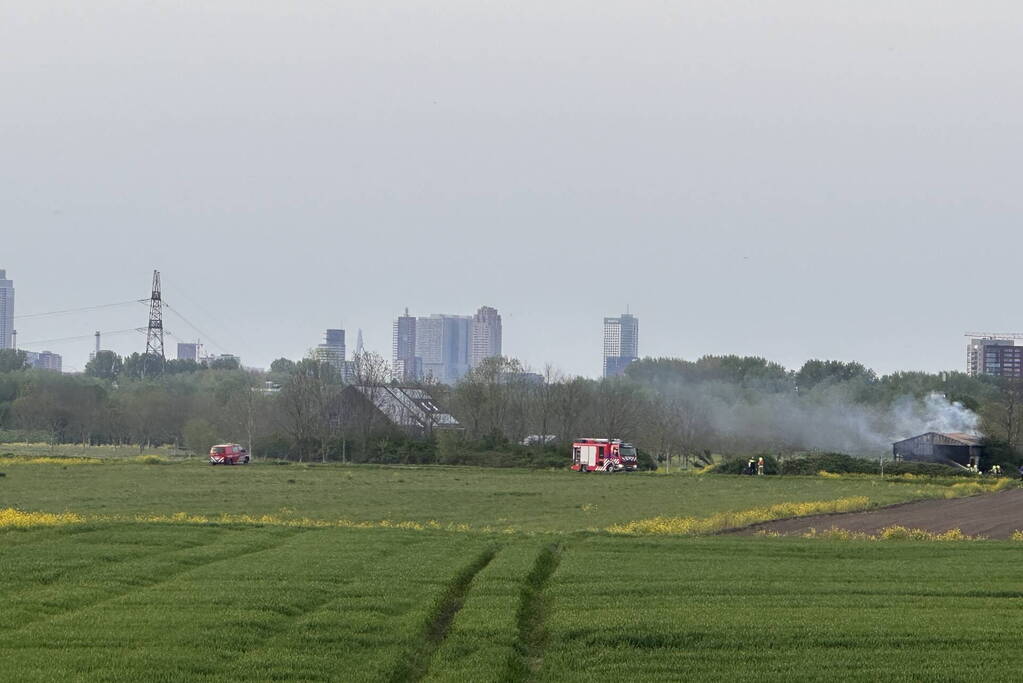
995	335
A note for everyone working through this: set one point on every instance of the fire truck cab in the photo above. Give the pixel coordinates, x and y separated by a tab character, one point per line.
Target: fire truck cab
603	455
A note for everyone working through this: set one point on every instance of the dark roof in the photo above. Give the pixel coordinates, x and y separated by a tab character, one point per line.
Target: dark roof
967	439
961	438
408	407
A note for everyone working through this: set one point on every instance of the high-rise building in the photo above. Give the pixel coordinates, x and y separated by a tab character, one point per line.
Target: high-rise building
6	311
485	339
621	343
45	360
332	350
442	345
994	356
405	366
188	351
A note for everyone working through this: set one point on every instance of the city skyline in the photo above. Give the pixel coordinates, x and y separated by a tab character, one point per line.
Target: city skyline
676	175
125	345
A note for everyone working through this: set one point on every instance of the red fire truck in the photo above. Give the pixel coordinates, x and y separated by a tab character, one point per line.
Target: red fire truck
603	455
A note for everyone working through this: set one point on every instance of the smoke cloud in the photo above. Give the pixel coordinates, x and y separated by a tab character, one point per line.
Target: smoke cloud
827	418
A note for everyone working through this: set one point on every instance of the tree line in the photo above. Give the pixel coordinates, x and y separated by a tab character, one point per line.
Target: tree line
674	409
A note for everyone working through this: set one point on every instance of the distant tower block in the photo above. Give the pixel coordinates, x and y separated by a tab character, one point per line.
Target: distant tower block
621	343
7	334
188	351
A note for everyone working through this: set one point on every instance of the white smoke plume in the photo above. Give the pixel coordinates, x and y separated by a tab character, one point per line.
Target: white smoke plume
827	419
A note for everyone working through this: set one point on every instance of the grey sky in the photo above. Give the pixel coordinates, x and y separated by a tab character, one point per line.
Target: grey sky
791	179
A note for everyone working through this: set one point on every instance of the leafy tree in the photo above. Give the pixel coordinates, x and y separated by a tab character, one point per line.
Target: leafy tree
486	393
815	372
224	364
138	365
178	366
12	361
309	405
105	365
1003	416
8	393
618	406
283	366
199	436
64	406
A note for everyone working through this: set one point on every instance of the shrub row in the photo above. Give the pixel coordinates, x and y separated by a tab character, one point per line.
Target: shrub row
839	463
446	449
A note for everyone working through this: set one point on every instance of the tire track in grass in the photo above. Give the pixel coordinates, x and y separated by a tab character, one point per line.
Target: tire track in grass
416	663
532	616
295	620
68	573
27	538
184	568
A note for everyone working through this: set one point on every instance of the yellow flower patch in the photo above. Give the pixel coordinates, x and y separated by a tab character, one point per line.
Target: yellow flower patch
694	526
12	518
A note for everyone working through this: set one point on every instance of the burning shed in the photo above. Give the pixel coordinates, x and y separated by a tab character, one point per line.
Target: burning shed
959	448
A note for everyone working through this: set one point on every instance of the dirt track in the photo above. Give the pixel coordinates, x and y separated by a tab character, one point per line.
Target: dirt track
994	515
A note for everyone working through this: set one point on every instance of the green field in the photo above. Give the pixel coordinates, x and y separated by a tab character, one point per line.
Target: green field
522	500
538	598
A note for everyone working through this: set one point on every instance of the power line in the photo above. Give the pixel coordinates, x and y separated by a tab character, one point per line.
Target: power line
201	333
41	342
76	310
204	313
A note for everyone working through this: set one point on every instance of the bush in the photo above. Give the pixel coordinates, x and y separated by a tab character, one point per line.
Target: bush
273	446
444	448
645	461
738	465
392	451
200	436
925	469
25	436
839	463
836	463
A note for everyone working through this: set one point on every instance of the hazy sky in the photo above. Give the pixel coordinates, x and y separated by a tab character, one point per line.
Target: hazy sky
790	179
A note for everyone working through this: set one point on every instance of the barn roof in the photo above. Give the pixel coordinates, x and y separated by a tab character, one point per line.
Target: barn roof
408	407
967	439
961	438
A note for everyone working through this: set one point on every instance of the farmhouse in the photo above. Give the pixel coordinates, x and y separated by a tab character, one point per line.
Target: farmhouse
956	447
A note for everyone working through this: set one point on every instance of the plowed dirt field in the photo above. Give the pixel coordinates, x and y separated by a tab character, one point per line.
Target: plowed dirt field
994	515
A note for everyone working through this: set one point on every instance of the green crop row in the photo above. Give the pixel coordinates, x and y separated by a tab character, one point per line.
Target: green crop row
130	602
517	500
722	609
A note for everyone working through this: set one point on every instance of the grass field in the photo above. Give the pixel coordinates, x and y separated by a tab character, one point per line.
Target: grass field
65	450
547	601
521	500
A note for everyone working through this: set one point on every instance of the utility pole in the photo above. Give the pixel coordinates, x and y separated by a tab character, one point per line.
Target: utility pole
154	333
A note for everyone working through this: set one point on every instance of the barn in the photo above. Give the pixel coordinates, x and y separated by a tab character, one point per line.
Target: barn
962	449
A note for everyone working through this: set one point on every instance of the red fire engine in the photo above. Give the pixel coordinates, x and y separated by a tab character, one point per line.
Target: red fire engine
603	455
